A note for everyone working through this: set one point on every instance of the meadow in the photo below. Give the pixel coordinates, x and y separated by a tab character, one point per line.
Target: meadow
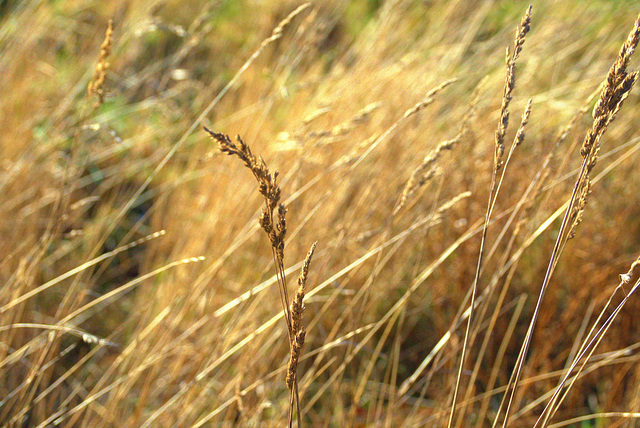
339	213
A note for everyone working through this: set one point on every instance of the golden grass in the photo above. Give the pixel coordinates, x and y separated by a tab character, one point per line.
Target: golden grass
273	221
465	274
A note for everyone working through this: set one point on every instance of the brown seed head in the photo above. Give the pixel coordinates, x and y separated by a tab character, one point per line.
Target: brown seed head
297	306
615	90
296	350
96	84
510	81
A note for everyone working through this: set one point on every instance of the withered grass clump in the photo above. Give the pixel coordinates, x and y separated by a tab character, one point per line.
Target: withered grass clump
591	342
443	207
273	221
615	90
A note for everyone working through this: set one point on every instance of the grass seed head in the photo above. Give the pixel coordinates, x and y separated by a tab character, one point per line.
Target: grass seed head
96	84
510	81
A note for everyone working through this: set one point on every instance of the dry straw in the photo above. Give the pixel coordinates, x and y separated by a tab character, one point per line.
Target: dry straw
428	168
273	216
509	84
498	166
273	221
589	345
615	90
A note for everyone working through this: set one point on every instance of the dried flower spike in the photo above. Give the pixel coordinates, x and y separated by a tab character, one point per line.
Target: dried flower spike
96	85
272	220
509	84
297	309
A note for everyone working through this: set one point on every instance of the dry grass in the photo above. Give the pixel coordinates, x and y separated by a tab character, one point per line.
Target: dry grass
273	221
465	274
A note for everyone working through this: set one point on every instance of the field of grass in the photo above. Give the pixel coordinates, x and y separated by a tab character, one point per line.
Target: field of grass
477	216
